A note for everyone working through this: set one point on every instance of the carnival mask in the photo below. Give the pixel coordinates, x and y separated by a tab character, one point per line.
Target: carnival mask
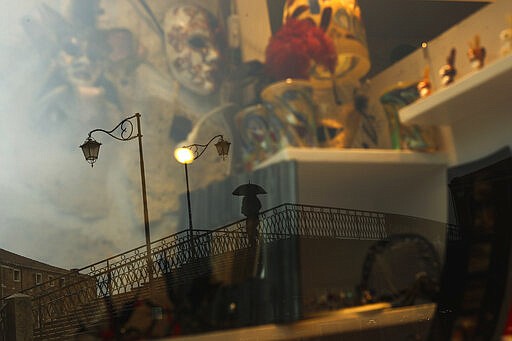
191	48
81	58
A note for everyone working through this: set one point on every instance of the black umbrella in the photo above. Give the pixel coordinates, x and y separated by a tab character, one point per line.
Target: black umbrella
249	189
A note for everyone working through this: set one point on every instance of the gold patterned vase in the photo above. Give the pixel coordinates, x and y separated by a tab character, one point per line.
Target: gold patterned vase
292	102
404	136
337	119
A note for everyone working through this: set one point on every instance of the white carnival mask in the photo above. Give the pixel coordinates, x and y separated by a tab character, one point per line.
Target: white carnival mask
191	48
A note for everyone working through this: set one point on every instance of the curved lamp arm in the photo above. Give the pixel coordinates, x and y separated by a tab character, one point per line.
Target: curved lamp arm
199	149
187	154
124	131
125	127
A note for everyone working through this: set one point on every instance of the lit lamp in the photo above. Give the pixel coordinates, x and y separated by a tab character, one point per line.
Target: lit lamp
184	155
125	131
187	154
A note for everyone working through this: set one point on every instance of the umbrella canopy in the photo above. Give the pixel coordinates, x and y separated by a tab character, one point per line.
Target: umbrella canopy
249	189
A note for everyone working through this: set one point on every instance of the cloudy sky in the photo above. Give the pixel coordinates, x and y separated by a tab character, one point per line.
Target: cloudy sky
70	66
53	206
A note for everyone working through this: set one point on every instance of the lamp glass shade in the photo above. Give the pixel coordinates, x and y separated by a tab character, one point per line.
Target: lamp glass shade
222	148
183	155
91	149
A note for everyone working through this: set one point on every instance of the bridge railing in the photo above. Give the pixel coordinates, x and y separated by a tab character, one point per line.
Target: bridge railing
3	321
128	271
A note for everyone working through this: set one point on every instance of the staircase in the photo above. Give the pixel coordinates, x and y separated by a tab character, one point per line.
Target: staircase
98	296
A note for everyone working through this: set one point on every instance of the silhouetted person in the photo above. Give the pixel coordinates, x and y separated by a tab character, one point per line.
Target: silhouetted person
251	209
251	206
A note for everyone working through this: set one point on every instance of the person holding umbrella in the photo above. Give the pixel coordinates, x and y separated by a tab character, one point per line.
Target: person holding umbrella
251	206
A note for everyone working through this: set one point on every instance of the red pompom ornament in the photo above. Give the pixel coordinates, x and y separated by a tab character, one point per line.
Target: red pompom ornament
292	50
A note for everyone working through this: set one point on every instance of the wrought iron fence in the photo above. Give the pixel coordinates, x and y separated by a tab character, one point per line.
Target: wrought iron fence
121	274
321	222
3	321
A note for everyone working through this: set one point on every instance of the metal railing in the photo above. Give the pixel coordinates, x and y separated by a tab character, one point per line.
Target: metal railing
68	295
3	321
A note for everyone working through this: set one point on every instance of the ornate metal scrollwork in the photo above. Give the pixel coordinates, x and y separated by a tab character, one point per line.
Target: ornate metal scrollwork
124	131
199	149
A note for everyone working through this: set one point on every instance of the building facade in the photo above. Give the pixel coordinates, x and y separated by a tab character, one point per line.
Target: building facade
19	273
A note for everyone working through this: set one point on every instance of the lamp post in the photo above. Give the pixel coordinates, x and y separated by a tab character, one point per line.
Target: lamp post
187	154
124	131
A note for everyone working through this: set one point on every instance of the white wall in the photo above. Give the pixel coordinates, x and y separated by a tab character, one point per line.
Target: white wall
473	138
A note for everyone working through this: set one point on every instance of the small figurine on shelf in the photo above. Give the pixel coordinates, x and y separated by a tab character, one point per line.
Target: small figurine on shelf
448	71
424	86
476	53
506	38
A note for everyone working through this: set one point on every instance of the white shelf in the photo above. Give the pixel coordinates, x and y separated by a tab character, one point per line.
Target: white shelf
480	93
347	156
384	180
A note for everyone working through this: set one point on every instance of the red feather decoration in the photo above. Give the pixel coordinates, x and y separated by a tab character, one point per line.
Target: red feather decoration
297	45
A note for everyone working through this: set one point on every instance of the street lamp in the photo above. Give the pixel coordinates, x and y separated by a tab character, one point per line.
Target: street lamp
124	131
187	154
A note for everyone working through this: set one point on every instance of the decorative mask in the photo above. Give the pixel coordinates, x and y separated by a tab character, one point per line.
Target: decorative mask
262	134
340	20
191	48
82	58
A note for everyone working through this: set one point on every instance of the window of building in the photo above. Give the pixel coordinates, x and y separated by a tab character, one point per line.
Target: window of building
52	282
62	282
16	275
39	278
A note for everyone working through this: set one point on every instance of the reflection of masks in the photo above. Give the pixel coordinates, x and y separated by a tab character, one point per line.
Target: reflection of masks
81	60
192	50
